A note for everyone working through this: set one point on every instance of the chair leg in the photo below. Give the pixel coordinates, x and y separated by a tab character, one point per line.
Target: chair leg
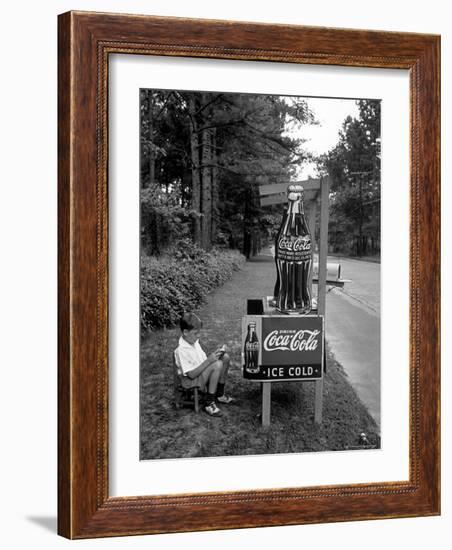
196	397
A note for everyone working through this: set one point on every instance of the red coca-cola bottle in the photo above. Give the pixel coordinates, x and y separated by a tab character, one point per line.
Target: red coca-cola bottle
251	350
293	257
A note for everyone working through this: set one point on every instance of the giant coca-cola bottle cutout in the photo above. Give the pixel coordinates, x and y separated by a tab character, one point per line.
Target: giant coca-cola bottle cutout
293	257
276	289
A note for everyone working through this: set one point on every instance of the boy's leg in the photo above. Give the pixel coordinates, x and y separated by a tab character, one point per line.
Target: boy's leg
221	397
212	373
225	362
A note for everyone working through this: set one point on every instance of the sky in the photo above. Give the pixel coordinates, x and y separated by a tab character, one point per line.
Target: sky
330	114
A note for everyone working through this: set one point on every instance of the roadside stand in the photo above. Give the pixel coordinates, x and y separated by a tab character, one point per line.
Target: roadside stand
283	335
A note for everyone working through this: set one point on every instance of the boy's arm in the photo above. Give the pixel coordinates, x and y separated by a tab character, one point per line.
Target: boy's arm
214	356
185	363
193	373
199	369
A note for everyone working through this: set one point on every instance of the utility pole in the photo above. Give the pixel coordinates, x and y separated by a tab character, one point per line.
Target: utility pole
361	210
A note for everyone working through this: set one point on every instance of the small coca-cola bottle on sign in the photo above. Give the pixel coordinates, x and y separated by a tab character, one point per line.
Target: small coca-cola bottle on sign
251	350
293	257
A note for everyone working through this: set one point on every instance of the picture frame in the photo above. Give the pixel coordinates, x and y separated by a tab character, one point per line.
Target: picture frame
86	40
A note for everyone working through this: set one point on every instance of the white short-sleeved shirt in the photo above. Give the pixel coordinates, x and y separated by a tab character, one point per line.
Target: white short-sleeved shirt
188	356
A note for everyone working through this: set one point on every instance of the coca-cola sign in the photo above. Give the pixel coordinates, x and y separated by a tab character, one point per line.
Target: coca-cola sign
291	347
292	340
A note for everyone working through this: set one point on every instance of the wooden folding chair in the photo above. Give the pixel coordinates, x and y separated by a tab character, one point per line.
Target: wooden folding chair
183	396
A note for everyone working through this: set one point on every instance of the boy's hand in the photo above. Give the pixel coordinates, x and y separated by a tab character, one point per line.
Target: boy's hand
213	356
217	354
221	351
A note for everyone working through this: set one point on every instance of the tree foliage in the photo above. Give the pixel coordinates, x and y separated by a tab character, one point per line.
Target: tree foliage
354	166
203	158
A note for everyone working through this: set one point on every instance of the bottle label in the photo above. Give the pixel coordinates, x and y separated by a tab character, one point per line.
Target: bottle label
252	346
295	249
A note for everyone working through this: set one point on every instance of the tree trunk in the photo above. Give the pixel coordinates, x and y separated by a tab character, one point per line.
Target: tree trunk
195	178
151	138
246	249
206	205
214	183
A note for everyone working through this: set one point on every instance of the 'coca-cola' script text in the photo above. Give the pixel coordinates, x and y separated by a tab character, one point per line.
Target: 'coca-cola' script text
303	340
295	245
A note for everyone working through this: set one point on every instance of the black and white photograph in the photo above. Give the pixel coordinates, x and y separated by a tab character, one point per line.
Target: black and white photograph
224	234
260	274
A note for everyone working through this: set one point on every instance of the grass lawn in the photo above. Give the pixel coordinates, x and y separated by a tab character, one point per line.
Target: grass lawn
167	432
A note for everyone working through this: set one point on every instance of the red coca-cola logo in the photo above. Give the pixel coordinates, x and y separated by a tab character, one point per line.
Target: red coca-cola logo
302	340
295	245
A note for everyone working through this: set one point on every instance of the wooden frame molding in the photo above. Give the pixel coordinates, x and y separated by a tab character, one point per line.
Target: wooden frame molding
85	42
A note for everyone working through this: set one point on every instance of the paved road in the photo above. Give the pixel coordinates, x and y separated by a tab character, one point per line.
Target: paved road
365	285
365	279
353	329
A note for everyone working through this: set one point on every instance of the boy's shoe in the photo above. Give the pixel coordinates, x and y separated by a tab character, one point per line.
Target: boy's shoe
212	409
225	399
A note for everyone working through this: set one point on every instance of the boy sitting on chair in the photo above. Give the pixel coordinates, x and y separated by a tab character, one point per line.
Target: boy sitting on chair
199	370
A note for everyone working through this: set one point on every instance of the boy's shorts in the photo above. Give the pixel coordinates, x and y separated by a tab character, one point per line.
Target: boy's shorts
198	382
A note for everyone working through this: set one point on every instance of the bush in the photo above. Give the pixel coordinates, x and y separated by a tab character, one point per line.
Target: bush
180	280
163	220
